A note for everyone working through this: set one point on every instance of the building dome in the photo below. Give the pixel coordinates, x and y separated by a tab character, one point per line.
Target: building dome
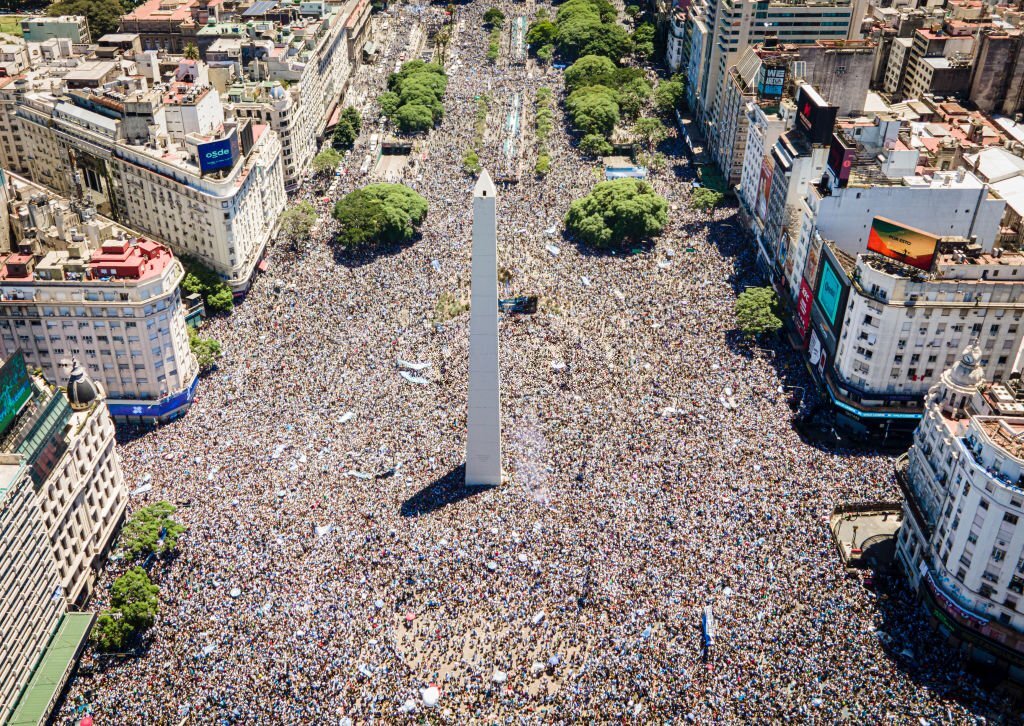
277	91
968	373
81	390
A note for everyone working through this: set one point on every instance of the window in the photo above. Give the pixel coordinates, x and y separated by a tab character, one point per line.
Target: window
1010	517
998	555
983	504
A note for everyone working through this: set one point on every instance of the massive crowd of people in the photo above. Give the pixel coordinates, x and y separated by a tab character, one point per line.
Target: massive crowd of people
333	571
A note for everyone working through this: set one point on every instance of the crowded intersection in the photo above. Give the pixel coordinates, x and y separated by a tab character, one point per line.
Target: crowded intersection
334	571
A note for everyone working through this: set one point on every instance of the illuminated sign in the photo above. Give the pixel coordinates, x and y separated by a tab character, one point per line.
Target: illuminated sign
220	154
803	309
815	116
840	160
15	389
830	292
908	245
771	81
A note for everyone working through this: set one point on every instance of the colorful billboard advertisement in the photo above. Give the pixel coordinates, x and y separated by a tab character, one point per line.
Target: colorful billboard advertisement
219	154
830	292
840	160
910	246
771	81
764	189
15	389
803	309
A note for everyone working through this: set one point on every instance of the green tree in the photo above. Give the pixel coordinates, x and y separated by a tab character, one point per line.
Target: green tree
543	165
414	118
206	350
669	96
632	10
622	210
354	118
136	598
344	136
442	39
756	312
643	40
545	53
591	70
151	530
191	51
379	213
589	36
104	16
593	109
389	103
651	131
297	221
595	145
200	279
471	162
326	161
111	631
633	97
705	199
494	16
541	33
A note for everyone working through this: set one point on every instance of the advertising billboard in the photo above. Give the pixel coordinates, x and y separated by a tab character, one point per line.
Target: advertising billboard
219	154
803	309
910	246
830	292
815	116
764	188
840	160
771	81
15	389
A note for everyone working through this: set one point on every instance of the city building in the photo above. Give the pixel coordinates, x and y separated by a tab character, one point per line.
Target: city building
884	326
39	28
932	61
62	497
1002	168
160	160
997	76
722	30
74	284
961	542
676	48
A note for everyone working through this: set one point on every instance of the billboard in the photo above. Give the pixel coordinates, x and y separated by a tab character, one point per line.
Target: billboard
910	246
840	160
15	389
815	116
771	81
830	292
803	309
219	154
764	188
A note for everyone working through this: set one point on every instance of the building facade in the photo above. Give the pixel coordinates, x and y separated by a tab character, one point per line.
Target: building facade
961	543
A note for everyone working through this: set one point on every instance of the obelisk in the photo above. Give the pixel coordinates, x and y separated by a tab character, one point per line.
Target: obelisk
483	447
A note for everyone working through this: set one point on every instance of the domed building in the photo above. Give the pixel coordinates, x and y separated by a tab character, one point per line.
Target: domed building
81	390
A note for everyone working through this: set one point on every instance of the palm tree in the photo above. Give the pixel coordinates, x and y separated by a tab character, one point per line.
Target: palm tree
191	52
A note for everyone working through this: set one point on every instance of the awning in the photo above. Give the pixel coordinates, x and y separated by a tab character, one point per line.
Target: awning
47	682
262	266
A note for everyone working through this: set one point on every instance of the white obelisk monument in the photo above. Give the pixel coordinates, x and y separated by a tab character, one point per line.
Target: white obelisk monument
483	449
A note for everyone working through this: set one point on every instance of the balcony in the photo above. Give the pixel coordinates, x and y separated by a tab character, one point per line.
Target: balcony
901	466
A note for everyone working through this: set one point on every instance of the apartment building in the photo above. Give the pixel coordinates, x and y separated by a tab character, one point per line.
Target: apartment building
62	496
40	28
75	285
961	542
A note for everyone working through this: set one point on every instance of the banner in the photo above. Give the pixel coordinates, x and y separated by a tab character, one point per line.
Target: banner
910	246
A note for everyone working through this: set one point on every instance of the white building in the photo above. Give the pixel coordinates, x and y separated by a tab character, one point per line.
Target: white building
93	290
901	327
62	496
675	49
961	543
118	150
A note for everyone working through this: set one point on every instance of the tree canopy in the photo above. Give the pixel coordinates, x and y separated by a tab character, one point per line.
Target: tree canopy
346	131
756	312
216	294
104	16
151	530
297	221
326	160
379	213
494	16
650	130
134	602
593	109
586	27
595	145
705	199
414	98
643	40
541	33
206	350
669	96
617	211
